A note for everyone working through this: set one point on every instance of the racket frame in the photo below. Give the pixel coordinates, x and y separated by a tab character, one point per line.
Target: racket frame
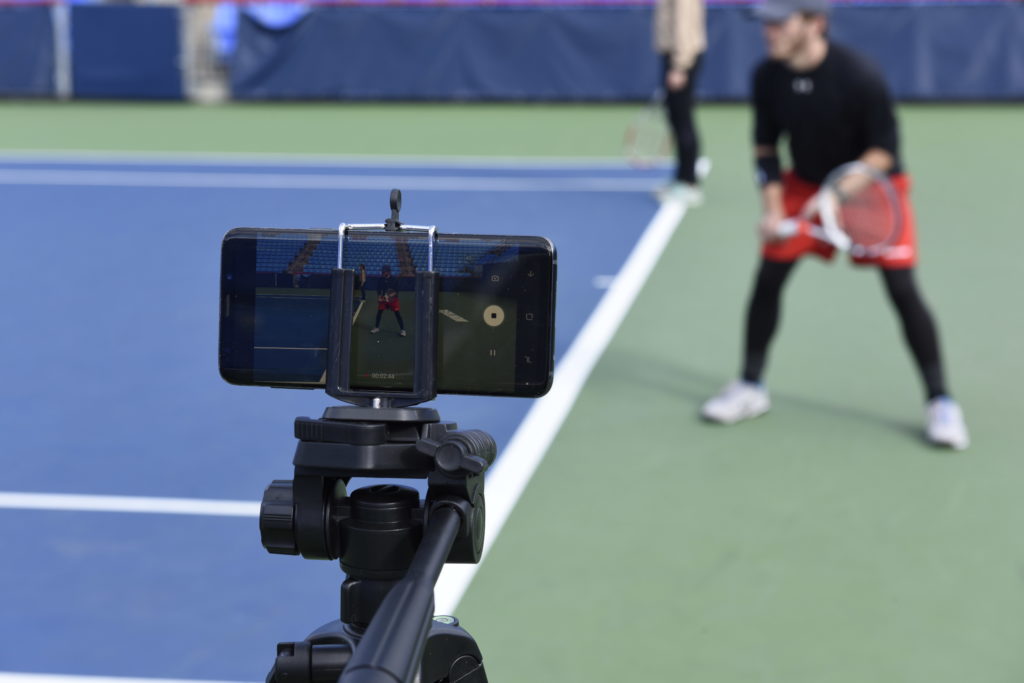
829	229
649	123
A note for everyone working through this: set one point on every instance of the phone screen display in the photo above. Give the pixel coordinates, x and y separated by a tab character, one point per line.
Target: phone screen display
495	309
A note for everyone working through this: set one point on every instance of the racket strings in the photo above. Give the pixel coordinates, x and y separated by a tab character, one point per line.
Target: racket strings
647	141
870	217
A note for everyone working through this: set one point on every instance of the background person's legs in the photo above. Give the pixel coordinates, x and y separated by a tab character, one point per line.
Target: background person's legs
679	106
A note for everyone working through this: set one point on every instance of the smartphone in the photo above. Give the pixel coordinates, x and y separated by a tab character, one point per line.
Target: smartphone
496	307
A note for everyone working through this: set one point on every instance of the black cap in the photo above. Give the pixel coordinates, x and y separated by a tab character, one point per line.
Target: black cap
780	10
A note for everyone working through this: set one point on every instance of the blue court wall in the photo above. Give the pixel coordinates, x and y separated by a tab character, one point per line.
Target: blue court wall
26	52
120	51
928	52
461	53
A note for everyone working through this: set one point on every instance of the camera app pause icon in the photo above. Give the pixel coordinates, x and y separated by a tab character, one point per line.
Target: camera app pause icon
494	315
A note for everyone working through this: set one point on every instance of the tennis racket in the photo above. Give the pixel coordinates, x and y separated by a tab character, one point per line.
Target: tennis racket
647	142
858	211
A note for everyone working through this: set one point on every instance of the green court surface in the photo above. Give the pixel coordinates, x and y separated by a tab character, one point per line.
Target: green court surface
322	128
823	543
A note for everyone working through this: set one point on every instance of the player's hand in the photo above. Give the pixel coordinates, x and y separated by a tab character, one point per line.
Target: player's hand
768	226
812	208
675	79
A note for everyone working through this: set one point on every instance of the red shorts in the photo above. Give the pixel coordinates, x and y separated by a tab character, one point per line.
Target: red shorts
391	305
796	192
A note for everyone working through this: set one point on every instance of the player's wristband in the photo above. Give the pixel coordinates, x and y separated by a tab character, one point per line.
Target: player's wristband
768	170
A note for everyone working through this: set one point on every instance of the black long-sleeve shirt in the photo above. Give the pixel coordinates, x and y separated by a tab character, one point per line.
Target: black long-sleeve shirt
831	114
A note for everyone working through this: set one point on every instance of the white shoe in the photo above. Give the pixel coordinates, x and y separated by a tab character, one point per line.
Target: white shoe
375	330
402	333
945	424
683	193
737	401
702	167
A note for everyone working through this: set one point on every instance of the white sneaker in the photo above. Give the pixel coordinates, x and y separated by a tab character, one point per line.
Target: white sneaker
737	401
945	424
702	167
681	192
402	333
375	330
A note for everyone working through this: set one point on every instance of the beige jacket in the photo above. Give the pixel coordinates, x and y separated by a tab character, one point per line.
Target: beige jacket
679	30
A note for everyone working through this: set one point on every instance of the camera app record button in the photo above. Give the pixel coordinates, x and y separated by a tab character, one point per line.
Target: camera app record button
494	315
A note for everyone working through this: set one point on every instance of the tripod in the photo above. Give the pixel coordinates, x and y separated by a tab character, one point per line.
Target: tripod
390	544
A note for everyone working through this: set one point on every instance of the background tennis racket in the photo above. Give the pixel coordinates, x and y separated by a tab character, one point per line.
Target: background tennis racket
858	211
647	141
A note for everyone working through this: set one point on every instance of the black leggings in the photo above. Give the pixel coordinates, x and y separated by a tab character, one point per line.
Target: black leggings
398	317
679	105
918	326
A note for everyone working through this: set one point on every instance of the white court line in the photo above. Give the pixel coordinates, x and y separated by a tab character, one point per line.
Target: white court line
507	480
309	181
12	677
166	506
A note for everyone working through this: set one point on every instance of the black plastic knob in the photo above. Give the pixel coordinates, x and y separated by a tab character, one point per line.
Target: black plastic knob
277	519
470	451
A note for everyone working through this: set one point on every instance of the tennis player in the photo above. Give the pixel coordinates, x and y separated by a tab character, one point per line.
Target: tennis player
834	107
387	300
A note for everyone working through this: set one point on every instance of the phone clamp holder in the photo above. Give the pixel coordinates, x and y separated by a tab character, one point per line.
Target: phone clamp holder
393	223
391	545
424	372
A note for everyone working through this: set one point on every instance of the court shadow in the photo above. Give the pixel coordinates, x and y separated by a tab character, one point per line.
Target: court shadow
675	381
820	407
693	386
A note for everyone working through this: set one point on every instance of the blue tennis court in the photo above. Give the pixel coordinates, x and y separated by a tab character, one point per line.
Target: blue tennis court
110	387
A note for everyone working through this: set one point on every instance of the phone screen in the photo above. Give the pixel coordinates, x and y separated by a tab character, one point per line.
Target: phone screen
495	318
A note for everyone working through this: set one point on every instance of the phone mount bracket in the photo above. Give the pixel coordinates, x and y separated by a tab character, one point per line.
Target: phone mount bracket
394	223
339	367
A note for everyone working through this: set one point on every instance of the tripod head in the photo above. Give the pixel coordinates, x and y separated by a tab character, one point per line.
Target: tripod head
390	544
314	516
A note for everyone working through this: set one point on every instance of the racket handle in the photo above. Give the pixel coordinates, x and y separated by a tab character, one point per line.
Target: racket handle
788	227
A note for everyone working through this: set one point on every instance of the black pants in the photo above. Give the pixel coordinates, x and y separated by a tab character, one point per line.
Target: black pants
918	327
398	317
679	106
